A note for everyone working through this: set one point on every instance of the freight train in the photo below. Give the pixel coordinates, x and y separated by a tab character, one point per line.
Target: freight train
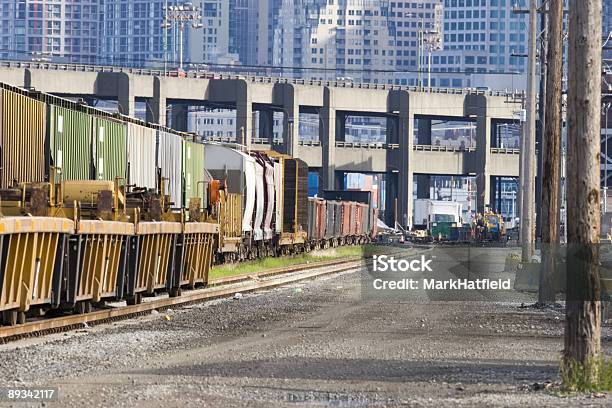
97	207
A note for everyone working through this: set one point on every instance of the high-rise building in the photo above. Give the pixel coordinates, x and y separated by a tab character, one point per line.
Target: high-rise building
133	33
330	40
211	43
417	31
480	36
45	30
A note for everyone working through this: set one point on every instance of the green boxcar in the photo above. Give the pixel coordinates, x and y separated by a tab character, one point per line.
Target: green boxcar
110	149
193	170
70	133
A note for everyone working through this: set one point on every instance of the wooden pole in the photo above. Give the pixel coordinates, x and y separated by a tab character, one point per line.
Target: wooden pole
551	169
528	193
583	307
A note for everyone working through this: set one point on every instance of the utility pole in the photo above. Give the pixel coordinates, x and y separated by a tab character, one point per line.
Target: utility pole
528	182
583	305
551	168
542	104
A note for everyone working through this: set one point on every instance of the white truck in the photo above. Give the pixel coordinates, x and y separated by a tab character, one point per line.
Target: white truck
436	217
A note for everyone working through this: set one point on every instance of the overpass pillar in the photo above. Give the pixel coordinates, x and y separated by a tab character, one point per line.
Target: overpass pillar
406	174
125	94
291	120
391	131
180	117
244	114
266	125
483	151
341	126
327	136
156	106
423	138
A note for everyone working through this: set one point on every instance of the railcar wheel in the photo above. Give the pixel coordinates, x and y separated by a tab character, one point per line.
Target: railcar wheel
175	292
9	318
21	317
134	300
79	308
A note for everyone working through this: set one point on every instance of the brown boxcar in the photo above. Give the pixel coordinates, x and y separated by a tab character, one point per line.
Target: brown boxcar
373	230
361	211
347	209
333	209
317	219
295	213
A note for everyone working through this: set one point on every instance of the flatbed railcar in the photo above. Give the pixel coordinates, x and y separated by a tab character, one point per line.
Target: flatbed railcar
98	207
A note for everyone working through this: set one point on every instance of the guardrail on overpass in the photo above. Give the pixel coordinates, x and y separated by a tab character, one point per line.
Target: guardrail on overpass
208	74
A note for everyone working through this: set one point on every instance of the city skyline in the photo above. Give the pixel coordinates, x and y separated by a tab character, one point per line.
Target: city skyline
480	41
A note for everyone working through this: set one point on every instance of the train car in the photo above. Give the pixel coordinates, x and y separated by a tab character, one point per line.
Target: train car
267	199
22	135
109	207
364	210
238	172
141	156
169	164
70	133
98	216
292	197
317	222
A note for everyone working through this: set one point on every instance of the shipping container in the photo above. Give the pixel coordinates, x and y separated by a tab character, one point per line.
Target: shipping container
141	142
238	171
169	161
194	174
22	139
70	140
110	149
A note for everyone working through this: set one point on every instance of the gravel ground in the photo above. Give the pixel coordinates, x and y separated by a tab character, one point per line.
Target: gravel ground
317	344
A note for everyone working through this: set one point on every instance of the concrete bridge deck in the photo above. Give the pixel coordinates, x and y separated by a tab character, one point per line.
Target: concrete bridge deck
333	101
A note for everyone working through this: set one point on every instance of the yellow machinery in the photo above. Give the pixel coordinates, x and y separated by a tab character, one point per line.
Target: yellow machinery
489	227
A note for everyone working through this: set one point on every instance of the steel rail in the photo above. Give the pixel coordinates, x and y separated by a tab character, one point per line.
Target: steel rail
242	284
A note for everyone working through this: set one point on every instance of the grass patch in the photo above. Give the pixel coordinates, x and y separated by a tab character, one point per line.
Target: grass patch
260	265
578	377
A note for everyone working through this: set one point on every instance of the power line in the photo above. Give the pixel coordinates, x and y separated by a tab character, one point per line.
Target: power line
247	67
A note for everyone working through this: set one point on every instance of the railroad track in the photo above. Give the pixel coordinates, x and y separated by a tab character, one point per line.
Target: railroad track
218	288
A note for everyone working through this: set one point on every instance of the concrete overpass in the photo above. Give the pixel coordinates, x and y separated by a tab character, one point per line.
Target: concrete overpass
401	158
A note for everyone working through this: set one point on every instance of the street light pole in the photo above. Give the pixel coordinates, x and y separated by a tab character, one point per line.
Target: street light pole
180	15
